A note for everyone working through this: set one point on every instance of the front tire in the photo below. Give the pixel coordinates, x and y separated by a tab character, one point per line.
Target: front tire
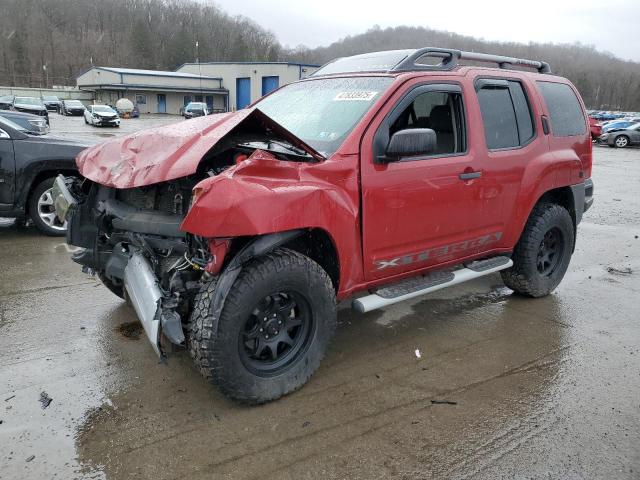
42	211
541	256
273	331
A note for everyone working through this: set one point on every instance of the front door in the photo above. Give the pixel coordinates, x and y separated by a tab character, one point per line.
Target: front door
162	103
428	209
7	170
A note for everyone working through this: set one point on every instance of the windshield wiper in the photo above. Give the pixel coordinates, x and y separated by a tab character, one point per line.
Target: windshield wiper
290	147
283	145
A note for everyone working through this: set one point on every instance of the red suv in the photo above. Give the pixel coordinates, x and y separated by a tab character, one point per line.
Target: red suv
388	175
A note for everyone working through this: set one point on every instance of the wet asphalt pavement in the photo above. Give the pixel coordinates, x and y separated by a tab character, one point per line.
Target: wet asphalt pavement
546	388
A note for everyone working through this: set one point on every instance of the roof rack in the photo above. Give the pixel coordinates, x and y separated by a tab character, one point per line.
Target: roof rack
451	57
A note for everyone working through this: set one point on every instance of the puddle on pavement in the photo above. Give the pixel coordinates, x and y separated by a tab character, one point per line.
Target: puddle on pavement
130	330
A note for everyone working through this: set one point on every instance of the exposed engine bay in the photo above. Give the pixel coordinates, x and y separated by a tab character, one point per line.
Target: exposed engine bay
131	237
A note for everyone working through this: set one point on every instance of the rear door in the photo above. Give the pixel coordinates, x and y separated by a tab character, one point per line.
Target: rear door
508	141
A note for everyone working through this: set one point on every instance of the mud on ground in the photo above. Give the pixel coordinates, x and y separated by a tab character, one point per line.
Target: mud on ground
546	388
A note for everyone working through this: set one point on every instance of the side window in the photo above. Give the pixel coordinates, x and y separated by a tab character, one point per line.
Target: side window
566	114
439	111
506	114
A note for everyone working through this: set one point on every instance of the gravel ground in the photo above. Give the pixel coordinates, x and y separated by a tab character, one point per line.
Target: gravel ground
546	388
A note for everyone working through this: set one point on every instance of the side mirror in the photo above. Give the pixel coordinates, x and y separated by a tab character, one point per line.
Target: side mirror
409	143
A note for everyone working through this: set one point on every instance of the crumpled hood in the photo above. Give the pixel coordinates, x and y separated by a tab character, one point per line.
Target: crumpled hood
168	152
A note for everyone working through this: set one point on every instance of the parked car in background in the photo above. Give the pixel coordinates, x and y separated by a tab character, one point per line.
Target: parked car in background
101	116
135	113
52	103
617	124
621	137
595	127
24	104
33	124
5	102
28	167
195	109
72	107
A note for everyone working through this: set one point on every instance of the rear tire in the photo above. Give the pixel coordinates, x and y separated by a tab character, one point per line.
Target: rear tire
541	256
274	329
621	141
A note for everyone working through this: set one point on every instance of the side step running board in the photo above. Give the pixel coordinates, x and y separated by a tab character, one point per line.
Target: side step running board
417	286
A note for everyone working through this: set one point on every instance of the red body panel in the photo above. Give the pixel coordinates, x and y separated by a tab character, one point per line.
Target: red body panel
166	153
372	212
596	128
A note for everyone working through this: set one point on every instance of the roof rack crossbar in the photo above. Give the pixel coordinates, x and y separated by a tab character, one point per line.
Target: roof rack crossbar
451	57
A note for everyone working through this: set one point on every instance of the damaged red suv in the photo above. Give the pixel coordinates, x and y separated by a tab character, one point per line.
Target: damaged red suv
388	175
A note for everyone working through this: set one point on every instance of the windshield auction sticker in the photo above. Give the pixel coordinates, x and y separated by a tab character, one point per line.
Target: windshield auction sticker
355	96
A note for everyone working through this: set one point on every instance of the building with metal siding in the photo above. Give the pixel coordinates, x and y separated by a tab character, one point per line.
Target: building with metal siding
248	81
154	91
222	85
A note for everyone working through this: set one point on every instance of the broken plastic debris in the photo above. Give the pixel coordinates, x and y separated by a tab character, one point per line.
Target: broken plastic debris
29	458
418	354
45	400
443	402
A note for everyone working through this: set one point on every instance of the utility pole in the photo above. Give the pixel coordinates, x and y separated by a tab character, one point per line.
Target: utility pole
202	99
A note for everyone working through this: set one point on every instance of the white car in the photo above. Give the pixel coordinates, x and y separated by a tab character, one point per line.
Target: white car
101	116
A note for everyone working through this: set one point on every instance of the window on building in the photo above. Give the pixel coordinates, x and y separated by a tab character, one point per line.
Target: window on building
187	100
565	111
141	99
506	114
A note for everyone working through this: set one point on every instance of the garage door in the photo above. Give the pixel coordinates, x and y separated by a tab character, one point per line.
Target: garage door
269	84
243	92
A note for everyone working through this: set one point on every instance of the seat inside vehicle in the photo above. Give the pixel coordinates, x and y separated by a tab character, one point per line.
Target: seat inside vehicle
437	111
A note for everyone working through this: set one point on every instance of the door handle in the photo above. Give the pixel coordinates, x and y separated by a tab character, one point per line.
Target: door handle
469	175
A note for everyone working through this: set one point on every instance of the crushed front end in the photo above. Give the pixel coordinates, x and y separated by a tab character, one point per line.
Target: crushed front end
131	239
128	213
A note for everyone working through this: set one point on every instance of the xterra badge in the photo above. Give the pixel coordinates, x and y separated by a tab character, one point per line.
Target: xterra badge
438	251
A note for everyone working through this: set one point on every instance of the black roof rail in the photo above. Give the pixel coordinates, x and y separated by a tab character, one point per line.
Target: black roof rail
451	57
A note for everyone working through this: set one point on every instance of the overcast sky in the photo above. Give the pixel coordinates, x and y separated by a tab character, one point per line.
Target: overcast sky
612	25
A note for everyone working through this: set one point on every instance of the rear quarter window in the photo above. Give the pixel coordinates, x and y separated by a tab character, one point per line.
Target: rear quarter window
567	118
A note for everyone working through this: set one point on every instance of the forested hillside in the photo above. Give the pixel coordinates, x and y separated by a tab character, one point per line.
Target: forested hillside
67	36
604	81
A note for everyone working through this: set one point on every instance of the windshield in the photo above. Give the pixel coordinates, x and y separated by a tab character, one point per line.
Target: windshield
195	106
9	123
73	103
323	112
28	101
50	98
103	109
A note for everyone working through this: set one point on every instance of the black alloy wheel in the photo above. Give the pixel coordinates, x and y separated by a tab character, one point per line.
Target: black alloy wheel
276	333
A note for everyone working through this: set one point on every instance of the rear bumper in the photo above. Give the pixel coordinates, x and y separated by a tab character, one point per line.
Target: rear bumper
582	198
